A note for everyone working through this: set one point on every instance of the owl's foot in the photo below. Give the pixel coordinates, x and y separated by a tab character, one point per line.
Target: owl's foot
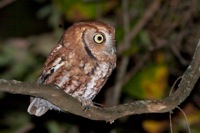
86	103
98	104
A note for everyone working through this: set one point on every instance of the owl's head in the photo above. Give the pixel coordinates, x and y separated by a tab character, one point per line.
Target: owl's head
97	39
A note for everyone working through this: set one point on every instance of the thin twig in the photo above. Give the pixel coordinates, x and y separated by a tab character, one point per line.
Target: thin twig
26	128
174	49
149	13
4	3
186	119
170	122
141	62
137	67
124	63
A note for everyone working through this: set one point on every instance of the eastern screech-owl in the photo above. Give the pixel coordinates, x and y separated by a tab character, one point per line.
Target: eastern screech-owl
80	64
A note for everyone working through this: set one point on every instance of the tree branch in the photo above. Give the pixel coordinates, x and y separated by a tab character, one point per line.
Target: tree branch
70	104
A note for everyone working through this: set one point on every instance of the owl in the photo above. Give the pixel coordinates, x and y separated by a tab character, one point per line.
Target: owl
79	64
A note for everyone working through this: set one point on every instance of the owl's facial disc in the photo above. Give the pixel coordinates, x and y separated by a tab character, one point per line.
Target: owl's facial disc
98	43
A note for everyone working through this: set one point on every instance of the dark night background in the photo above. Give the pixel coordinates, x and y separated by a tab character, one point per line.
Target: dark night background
158	54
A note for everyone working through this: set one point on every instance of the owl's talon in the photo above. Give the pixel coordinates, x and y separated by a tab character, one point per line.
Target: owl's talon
57	87
86	108
86	103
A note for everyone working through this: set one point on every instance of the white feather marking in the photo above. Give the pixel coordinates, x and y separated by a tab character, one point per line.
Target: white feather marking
57	66
108	39
62	80
75	94
90	86
56	61
109	48
72	87
71	55
100	72
56	49
76	83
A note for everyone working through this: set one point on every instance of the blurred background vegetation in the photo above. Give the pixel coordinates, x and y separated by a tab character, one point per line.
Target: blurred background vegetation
155	41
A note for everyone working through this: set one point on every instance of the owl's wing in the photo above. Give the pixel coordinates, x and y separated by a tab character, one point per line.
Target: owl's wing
40	106
53	63
44	76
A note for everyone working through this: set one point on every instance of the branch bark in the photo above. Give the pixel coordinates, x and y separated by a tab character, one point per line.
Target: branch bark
69	104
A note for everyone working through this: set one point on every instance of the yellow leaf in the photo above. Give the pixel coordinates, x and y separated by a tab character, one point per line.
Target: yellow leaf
152	126
151	82
154	85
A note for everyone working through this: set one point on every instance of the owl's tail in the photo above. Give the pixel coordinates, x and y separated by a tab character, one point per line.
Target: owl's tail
38	106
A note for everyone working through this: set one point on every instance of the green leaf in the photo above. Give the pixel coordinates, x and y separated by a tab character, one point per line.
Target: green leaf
77	10
150	83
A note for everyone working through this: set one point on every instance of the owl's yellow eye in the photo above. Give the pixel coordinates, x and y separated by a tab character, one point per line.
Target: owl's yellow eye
98	38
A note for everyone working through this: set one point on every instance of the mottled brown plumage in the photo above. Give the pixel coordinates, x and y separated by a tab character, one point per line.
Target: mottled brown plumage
80	64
